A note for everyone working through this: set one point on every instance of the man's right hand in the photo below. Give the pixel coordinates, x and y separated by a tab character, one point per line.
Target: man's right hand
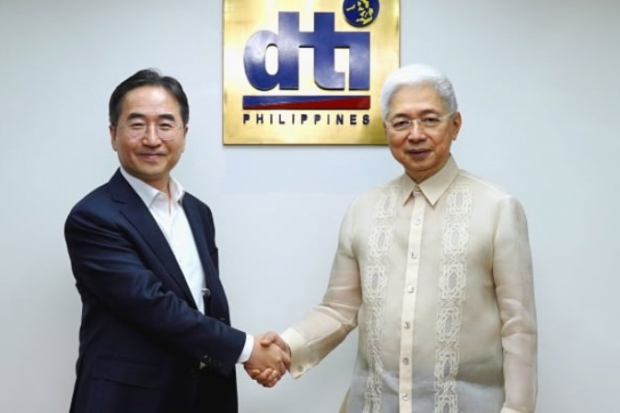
269	360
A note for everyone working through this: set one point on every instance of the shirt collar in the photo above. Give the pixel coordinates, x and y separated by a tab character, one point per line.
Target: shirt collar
432	188
148	193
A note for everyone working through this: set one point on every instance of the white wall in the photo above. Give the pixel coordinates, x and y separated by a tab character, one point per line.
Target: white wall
538	87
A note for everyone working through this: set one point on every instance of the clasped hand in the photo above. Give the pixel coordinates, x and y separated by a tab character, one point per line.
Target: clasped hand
270	359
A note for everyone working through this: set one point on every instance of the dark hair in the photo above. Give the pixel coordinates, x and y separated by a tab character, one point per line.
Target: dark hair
147	77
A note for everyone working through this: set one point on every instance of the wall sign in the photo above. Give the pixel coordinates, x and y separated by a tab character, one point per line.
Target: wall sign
307	72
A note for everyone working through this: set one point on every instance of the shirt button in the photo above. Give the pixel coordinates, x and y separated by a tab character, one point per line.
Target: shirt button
410	289
413	255
300	369
206	292
405	361
417	221
405	397
407	325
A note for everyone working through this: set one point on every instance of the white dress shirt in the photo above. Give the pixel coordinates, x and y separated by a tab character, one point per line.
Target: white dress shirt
170	216
438	277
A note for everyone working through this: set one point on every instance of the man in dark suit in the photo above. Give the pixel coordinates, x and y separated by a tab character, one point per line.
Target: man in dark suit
155	334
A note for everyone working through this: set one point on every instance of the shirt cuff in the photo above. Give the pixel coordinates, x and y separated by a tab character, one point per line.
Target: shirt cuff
247	349
300	353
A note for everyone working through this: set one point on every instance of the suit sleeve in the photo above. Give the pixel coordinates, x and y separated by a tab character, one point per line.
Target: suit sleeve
328	324
111	272
512	272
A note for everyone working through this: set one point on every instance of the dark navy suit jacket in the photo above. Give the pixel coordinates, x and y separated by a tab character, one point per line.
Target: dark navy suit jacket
142	339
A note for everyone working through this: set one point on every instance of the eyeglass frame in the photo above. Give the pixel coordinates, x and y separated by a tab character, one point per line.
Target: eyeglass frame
135	134
408	123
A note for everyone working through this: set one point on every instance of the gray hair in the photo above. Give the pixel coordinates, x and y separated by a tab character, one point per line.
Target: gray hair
415	75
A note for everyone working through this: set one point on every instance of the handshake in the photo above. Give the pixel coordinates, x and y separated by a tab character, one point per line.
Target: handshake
270	359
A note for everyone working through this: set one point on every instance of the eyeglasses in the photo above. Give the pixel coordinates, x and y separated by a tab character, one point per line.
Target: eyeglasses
166	130
426	122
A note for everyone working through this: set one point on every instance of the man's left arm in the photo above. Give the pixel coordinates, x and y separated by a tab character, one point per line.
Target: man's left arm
512	273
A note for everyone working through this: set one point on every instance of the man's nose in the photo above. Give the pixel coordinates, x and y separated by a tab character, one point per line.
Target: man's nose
151	137
416	133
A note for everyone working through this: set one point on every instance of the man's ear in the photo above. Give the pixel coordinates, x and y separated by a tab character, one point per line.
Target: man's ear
185	130
112	131
457	121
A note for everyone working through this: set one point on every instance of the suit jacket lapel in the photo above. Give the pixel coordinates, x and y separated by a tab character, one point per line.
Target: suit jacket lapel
132	207
199	229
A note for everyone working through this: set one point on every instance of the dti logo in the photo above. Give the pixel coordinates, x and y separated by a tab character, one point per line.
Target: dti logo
324	40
